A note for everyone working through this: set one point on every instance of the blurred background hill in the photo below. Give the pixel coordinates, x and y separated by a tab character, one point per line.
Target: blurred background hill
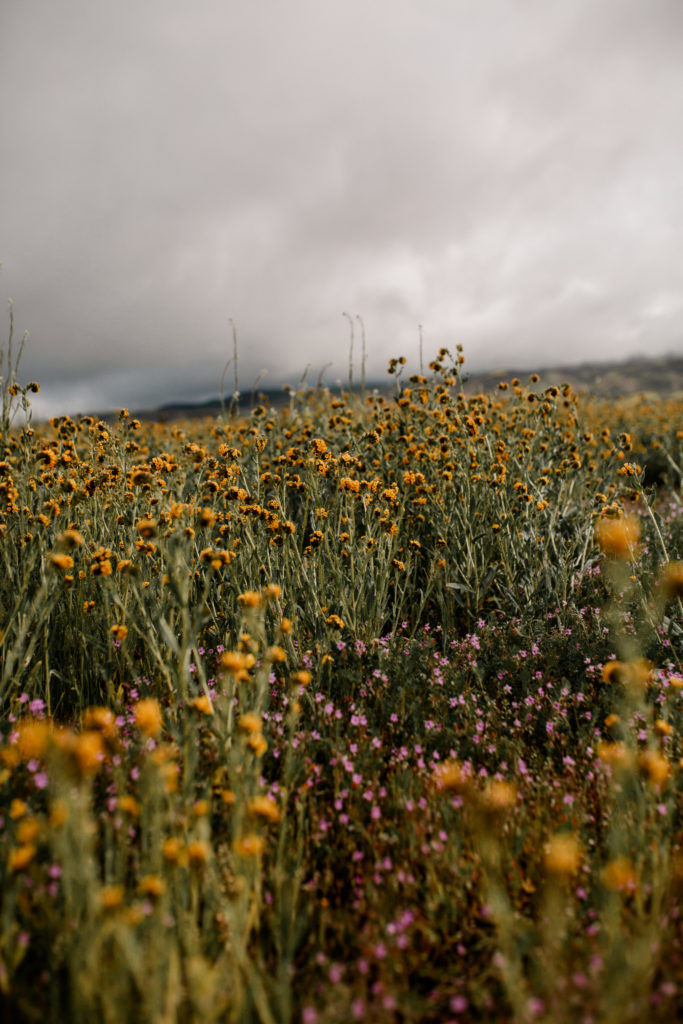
660	376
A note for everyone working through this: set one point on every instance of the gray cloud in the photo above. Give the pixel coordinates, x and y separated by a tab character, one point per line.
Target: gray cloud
506	174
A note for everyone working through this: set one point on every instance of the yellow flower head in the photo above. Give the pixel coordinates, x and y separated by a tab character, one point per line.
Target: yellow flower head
449	777
198	852
251	723
258	744
562	856
21	857
238	663
61	561
152	885
34	734
18	809
172	849
100	718
264	807
249	846
148	717
207	517
129	805
671	581
498	796
88	751
70	539
615	754
655	766
202	704
28	831
618	537
613	672
147	528
276	653
620	875
112	896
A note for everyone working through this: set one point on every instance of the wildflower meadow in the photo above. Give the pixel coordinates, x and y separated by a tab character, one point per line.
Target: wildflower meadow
368	709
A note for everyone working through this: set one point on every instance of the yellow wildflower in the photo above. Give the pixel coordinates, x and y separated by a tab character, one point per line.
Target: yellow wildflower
18	809
172	849
148	716
615	754
562	856
147	528
70	539
202	704
617	537
88	751
276	653
249	846
129	805
100	718
61	561
655	766
264	807
28	830
112	896
498	796
258	744
32	741
152	885
21	857
198	852
620	875
671	581
250	722
449	776
238	663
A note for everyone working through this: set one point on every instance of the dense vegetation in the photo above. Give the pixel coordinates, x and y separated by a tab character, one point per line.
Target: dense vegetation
364	710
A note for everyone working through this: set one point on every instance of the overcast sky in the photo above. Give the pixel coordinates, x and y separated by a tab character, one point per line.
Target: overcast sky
506	173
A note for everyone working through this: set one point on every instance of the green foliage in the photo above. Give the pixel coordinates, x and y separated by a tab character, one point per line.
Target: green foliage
343	713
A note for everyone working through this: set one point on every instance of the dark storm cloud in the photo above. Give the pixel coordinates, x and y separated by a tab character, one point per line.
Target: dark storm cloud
506	174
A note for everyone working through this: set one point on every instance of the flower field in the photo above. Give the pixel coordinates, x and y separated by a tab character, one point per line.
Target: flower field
367	710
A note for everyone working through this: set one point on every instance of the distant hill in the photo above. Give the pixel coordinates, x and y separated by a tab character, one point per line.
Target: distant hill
663	376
